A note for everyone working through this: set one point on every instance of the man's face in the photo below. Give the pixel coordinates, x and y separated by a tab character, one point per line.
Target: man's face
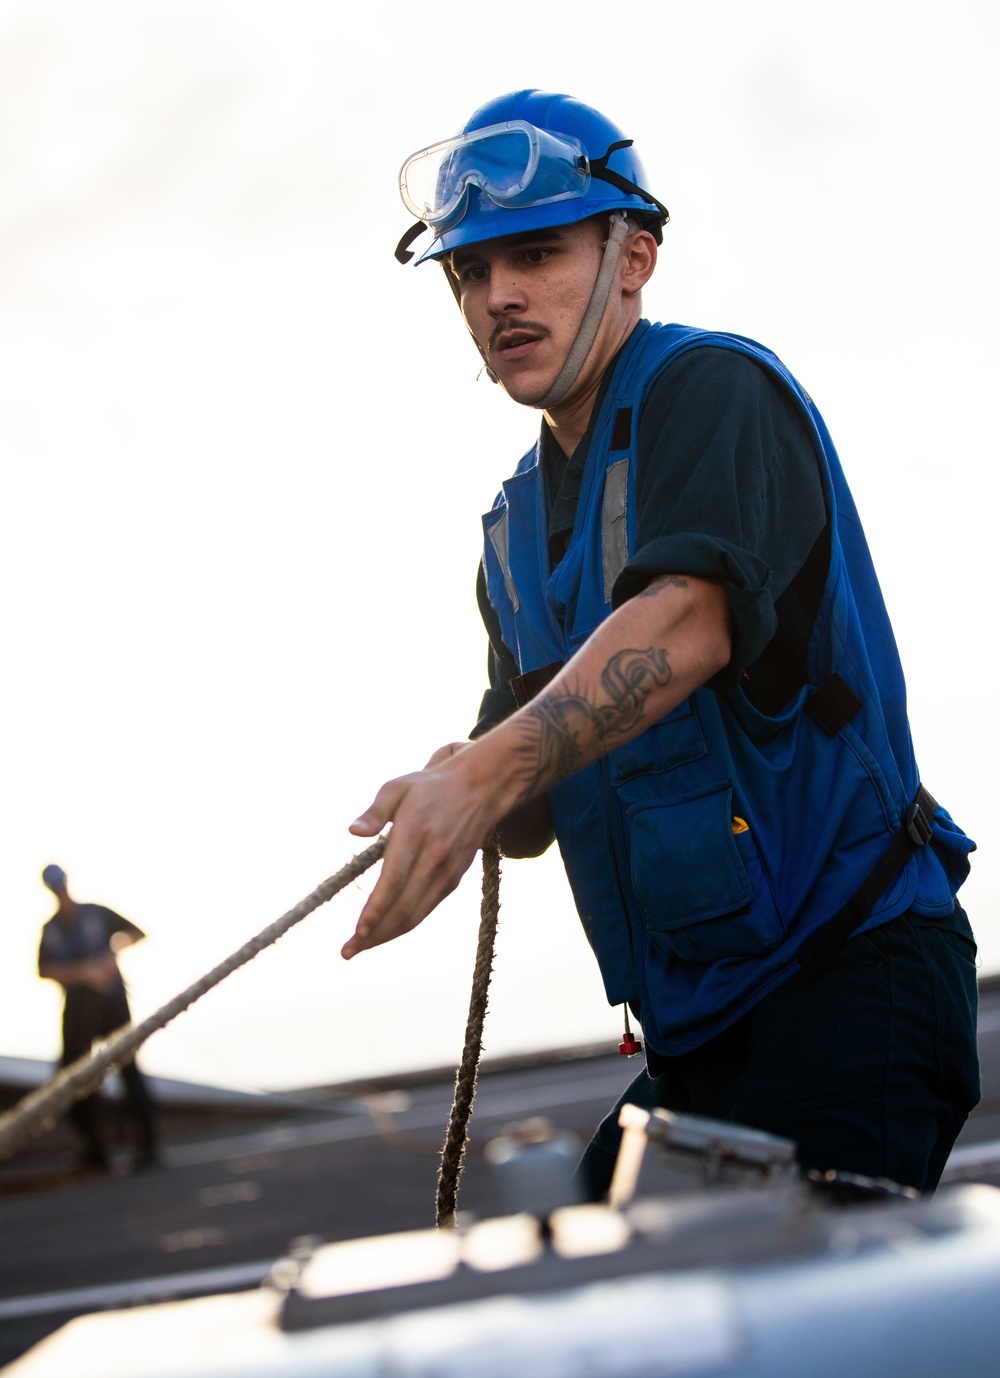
524	297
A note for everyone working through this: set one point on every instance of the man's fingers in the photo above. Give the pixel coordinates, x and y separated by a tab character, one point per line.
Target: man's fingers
381	810
405	913
396	866
385	895
436	831
408	889
366	824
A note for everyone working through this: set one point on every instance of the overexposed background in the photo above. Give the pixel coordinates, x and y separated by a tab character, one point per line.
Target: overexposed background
245	454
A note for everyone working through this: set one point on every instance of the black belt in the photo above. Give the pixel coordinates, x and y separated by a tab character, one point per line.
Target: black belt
525	687
914	834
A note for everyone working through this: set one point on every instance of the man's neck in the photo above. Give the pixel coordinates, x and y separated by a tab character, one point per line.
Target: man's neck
568	424
569	420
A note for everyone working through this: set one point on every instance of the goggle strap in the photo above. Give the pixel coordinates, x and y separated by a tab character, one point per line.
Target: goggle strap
403	251
612	148
599	168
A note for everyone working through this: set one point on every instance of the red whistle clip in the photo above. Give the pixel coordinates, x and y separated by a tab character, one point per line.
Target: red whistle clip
629	1045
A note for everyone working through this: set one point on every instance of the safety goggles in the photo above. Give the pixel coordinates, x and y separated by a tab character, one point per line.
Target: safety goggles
515	164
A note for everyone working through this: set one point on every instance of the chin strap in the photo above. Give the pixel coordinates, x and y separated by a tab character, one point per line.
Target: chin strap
592	317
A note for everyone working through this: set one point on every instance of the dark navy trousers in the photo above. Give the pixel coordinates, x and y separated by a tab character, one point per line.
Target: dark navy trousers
871	1066
89	1014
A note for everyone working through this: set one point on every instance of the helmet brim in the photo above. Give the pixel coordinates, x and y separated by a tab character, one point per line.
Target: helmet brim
499	222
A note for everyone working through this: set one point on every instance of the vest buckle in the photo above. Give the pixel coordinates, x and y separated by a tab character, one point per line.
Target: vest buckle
920	818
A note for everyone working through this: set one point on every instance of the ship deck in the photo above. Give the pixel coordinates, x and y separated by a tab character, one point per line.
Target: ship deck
341	1163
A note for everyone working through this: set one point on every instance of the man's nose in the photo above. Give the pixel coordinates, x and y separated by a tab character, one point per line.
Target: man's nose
507	294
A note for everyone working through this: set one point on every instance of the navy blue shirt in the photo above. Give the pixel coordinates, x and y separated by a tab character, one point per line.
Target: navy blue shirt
87	934
728	489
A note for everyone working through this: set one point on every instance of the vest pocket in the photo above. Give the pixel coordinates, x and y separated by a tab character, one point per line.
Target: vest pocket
701	886
675	740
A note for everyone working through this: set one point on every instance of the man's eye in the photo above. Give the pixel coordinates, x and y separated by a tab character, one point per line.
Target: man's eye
473	272
536	255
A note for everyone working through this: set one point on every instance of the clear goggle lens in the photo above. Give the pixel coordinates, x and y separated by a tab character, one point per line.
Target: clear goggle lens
515	164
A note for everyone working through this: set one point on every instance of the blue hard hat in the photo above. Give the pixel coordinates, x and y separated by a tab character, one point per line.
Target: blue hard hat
528	160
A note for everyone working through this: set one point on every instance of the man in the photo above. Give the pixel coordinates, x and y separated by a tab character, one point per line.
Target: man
694	685
78	949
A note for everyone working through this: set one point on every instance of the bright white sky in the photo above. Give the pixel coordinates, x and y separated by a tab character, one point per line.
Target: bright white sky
246	453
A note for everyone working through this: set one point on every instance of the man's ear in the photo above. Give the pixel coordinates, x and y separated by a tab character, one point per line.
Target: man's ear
638	260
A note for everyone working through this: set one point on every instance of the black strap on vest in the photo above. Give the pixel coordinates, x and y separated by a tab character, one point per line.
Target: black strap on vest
621	434
833	705
525	687
914	834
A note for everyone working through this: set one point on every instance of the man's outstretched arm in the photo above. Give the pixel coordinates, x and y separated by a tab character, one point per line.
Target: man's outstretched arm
639	664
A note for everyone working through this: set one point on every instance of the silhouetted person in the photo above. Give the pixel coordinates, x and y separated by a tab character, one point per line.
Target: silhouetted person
78	950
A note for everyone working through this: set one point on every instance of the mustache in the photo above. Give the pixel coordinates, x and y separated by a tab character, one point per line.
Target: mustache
511	323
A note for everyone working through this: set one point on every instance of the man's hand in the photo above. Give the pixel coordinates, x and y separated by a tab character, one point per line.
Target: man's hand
639	664
101	973
98	973
441	816
445	753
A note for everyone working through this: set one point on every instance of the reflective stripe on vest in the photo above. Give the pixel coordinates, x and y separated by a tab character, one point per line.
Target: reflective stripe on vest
498	535
614	524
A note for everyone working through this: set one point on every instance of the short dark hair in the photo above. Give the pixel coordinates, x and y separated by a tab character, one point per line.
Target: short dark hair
54	876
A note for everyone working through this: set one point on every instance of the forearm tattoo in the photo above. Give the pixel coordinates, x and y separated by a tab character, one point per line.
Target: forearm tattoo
558	728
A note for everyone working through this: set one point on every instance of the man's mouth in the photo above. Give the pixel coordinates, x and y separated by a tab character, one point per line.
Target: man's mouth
515	341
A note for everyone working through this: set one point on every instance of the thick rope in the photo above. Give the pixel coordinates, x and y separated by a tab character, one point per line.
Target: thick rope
39	1110
453	1152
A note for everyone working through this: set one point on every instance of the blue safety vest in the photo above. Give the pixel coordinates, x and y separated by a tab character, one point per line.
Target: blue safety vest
703	854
